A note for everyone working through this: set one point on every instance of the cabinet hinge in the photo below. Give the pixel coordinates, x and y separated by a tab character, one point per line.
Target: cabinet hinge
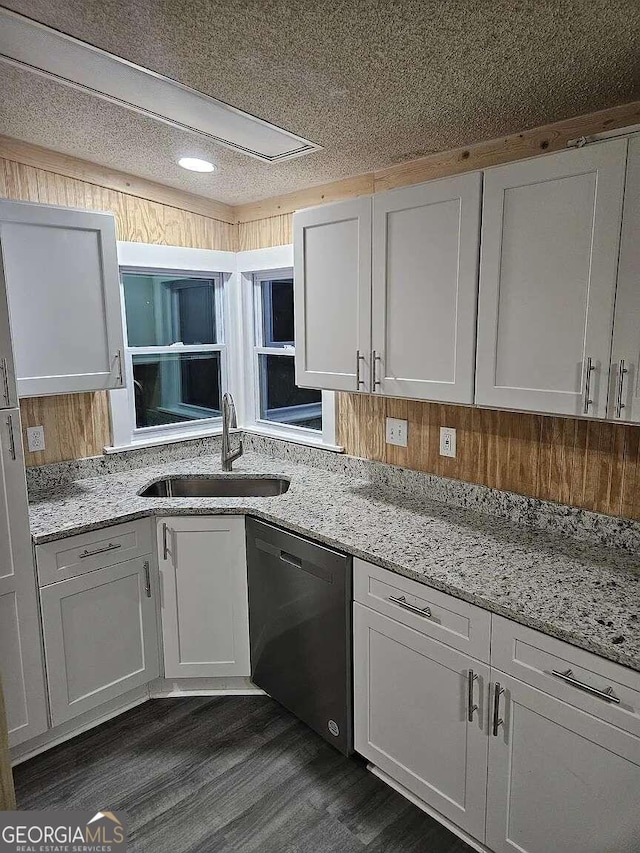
580	141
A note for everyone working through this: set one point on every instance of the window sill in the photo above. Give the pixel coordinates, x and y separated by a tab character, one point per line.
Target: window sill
293	439
162	440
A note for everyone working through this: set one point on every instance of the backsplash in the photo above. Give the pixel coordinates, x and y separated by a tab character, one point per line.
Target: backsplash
586	464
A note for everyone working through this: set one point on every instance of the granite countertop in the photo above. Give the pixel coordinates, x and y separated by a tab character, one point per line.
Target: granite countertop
586	594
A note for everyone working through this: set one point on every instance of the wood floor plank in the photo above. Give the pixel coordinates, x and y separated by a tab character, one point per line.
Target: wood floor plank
233	774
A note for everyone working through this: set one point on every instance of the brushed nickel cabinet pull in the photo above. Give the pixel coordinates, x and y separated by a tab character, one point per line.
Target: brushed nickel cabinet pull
568	677
497	719
589	368
147	578
12	441
359	358
401	601
622	370
118	357
112	546
165	547
4	367
471	706
375	359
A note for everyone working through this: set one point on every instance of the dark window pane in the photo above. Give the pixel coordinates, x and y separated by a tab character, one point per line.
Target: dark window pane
277	312
163	310
174	388
281	400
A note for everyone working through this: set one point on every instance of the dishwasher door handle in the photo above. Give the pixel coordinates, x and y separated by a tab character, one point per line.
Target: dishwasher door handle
286	557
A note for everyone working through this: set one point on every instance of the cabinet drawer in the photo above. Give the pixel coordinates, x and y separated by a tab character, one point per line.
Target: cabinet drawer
533	657
445	618
77	555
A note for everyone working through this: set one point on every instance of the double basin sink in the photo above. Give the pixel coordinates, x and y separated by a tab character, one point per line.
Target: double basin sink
215	486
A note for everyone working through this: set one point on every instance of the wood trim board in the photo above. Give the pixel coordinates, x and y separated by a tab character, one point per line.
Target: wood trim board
480	155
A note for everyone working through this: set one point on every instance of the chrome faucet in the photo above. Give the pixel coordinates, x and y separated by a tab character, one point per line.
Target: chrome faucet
229	423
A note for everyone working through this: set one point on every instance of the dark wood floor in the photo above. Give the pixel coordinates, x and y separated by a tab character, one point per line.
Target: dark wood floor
236	773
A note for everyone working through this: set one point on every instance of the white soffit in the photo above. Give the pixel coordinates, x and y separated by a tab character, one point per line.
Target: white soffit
46	51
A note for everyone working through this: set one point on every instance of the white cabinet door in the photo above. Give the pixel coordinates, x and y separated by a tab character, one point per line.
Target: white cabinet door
411	704
550	238
624	391
332	286
61	273
425	284
21	662
559	778
100	637
205	615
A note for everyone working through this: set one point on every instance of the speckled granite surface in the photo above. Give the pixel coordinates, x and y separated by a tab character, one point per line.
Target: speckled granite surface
580	591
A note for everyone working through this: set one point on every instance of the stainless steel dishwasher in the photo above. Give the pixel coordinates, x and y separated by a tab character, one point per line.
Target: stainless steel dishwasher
300	628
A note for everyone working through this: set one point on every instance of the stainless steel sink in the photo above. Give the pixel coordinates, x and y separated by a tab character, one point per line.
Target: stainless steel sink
215	486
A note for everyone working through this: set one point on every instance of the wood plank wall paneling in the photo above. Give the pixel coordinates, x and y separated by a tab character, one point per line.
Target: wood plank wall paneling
78	425
588	464
75	425
263	233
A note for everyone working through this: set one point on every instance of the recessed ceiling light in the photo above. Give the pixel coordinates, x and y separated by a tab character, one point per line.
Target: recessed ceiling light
195	165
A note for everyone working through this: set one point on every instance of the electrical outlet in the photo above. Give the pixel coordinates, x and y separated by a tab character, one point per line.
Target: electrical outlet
35	438
396	432
447	441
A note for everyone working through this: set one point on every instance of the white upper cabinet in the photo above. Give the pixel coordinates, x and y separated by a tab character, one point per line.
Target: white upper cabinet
624	389
425	281
550	240
61	273
332	261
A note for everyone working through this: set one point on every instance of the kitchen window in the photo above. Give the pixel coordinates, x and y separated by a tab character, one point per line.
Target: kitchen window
197	324
175	347
278	400
273	404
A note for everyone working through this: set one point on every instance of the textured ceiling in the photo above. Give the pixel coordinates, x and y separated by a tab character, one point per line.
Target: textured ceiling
374	83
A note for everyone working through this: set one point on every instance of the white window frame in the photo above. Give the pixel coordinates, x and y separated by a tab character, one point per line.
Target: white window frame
253	268
144	258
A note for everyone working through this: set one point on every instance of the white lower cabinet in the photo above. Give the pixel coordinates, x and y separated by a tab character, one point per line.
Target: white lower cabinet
21	665
205	613
559	778
100	636
412	707
550	765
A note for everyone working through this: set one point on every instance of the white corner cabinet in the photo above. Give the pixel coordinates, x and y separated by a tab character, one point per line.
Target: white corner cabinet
60	271
558	314
98	607
204	597
386	291
512	738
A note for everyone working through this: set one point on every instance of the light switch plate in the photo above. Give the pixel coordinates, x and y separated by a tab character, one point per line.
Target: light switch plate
447	441
35	438
396	432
